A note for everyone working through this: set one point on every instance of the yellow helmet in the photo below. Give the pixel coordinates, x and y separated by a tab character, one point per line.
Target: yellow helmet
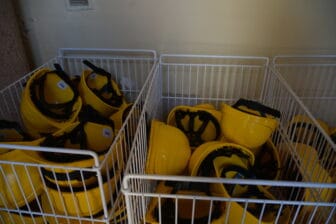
11	131
169	150
118	217
312	171
100	91
253	211
303	130
202	208
119	117
19	183
248	123
202	157
24	218
200	123
49	102
92	132
85	200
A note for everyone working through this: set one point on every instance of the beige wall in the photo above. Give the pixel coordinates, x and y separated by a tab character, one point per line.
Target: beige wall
249	27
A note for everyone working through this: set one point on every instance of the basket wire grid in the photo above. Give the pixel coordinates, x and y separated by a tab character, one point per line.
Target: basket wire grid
132	69
312	77
193	79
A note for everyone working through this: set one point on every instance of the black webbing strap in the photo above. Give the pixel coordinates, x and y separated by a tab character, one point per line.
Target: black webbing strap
256	106
206	166
89	114
4	124
37	88
168	206
32	206
115	99
195	136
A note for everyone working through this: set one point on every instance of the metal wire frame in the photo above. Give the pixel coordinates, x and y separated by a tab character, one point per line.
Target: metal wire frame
312	77
193	79
133	70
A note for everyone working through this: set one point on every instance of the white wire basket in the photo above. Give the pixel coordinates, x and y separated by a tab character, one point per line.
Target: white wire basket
195	79
313	78
132	70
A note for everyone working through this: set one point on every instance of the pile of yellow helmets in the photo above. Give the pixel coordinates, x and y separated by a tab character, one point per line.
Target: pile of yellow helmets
233	142
62	112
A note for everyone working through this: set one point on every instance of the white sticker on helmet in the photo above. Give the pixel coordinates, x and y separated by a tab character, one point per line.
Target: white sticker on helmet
107	132
62	85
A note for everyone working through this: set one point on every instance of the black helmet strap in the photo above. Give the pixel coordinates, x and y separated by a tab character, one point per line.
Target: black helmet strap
115	99
195	136
206	166
256	106
45	107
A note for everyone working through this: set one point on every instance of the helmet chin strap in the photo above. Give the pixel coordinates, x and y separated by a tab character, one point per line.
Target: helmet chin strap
256	106
195	136
115	99
64	109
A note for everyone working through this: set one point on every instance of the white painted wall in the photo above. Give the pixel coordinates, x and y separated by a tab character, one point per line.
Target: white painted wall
248	27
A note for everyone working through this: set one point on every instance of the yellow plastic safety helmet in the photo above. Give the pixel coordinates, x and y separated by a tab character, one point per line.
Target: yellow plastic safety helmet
49	102
10	131
202	208
17	218
120	116
23	218
303	130
118	217
90	133
20	184
254	211
83	200
168	151
99	90
267	164
200	163
247	128
200	123
312	171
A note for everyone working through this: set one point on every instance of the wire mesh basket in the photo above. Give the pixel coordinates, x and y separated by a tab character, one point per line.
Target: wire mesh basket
300	194
312	78
28	196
